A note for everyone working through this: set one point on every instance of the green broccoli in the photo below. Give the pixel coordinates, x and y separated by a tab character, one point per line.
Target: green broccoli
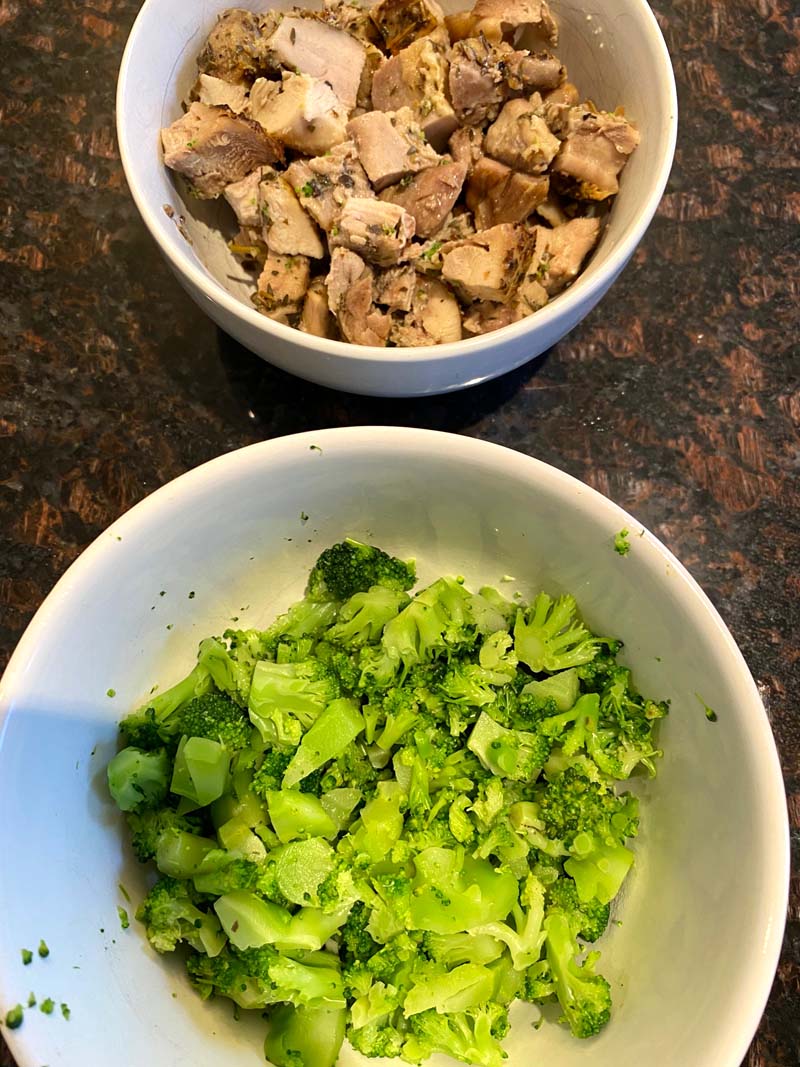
139	780
362	618
468	1036
354	941
585	997
286	698
216	718
551	638
148	727
587	919
170	914
301	1036
148	827
352	567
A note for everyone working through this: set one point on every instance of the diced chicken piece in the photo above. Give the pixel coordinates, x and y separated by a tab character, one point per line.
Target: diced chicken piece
552	210
390	145
218	93
466	146
287	228
352	18
243	197
375	59
377	231
559	253
351	291
514	13
496	193
531	294
595	149
417	78
403	21
566	93
394	288
434	318
282	286
301	112
237	50
312	47
429	196
489	265
476	80
520	138
213	148
528	71
324	184
316	318
460	25
485	317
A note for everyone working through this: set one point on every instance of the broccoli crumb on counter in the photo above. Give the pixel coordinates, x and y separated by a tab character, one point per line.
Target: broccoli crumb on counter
43	950
622	545
47	1006
27	956
392	813
14	1017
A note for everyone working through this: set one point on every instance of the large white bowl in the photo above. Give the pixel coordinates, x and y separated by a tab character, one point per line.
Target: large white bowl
703	912
613	50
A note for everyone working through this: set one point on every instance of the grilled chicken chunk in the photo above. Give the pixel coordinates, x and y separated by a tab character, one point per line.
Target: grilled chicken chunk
596	147
515	13
351	290
521	139
282	286
324	184
244	198
434	317
310	46
213	147
377	231
394	288
237	49
218	93
301	112
403	21
496	193
560	252
287	228
466	146
429	196
489	265
316	318
390	144
417	78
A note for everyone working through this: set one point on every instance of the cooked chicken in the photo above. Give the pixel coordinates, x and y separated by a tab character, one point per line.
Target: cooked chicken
466	146
496	193
310	46
566	93
434	318
429	196
520	138
390	144
301	112
243	196
287	228
595	149
377	231
560	252
218	93
282	285
514	13
394	288
552	211
403	21
237	50
534	70
489	265
484	317
213	148
476	80
373	62
427	257
351	291
417	78
316	317
531	294
325	183
353	19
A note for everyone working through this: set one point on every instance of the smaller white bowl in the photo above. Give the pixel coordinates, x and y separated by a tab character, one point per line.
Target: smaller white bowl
614	52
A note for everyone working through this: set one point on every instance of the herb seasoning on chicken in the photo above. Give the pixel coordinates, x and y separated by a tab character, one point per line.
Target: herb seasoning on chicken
400	177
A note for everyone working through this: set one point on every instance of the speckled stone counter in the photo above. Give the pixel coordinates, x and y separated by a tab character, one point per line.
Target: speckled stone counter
679	397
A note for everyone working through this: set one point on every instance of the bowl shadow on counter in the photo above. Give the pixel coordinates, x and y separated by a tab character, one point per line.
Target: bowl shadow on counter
285	404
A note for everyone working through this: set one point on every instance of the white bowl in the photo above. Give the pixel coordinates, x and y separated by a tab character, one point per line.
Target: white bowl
614	52
704	908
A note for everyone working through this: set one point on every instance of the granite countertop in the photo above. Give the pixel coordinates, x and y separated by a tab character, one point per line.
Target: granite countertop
679	397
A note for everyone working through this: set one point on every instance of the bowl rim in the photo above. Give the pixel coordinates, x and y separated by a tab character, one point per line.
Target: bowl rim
576	494
565	306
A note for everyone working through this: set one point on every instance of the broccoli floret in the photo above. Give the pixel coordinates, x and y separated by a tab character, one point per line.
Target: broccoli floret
270	774
438	619
139	780
515	754
469	1036
231	671
587	919
551	638
470	684
354	941
220	872
573	804
149	726
379	1038
148	827
352	567
524	939
362	618
303	621
585	997
537	984
170	914
452	949
286	698
216	718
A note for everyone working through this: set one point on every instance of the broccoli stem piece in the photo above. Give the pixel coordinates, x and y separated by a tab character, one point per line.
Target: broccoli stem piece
138	780
585	997
339	724
305	1036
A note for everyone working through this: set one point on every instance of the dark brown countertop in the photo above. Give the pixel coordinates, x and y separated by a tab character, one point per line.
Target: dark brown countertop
679	397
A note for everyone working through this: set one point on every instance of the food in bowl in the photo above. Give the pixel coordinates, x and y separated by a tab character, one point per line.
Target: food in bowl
385	166
388	816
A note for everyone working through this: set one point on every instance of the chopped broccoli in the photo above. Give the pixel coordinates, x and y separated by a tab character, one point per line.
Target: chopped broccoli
587	919
585	997
352	567
170	914
14	1017
362	618
622	545
469	1036
139	780
148	827
216	718
286	698
551	638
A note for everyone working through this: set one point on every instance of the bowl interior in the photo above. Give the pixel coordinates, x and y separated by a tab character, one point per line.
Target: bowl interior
613	52
702	914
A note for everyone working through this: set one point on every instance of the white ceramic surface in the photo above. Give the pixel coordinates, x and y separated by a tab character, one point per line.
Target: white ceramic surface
703	910
613	50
